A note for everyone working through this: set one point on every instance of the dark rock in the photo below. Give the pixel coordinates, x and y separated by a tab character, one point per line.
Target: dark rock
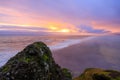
35	62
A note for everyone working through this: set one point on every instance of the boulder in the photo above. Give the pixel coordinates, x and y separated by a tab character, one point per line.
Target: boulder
35	62
99	74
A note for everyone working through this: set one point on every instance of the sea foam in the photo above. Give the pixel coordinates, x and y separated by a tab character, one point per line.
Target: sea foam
69	42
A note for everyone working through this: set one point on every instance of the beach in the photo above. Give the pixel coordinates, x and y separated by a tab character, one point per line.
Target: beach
98	52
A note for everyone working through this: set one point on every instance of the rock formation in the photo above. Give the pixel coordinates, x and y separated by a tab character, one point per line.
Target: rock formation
99	74
35	62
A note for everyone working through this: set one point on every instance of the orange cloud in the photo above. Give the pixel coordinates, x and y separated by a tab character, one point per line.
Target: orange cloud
18	17
23	19
60	16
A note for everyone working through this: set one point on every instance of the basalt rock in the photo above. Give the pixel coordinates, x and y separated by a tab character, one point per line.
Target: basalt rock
35	62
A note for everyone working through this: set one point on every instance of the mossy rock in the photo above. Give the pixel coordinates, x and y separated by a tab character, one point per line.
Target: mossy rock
67	73
99	74
35	62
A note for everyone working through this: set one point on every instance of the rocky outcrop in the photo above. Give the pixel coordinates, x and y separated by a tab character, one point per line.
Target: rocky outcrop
35	62
99	74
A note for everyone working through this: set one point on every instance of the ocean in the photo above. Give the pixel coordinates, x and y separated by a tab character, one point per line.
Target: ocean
11	45
73	52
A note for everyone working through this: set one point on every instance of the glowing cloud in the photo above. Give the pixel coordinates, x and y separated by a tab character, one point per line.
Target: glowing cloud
63	16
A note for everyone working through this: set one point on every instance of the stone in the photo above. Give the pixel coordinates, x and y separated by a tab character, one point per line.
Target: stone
35	62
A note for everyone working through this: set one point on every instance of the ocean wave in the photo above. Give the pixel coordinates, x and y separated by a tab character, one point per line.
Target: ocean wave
5	56
68	42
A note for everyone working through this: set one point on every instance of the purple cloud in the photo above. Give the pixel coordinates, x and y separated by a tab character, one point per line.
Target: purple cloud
103	14
89	29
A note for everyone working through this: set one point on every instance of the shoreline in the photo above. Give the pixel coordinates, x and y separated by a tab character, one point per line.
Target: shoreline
88	54
69	42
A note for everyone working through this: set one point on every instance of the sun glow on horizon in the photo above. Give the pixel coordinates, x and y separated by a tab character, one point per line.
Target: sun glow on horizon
65	30
51	28
59	29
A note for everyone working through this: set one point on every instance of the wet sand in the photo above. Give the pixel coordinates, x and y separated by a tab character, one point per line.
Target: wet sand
99	52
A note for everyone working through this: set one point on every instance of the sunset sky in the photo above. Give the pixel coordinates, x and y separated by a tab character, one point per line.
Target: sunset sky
61	16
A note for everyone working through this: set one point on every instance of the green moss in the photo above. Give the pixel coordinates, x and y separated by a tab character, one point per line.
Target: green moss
27	60
118	78
89	69
67	73
5	69
99	74
45	57
39	44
